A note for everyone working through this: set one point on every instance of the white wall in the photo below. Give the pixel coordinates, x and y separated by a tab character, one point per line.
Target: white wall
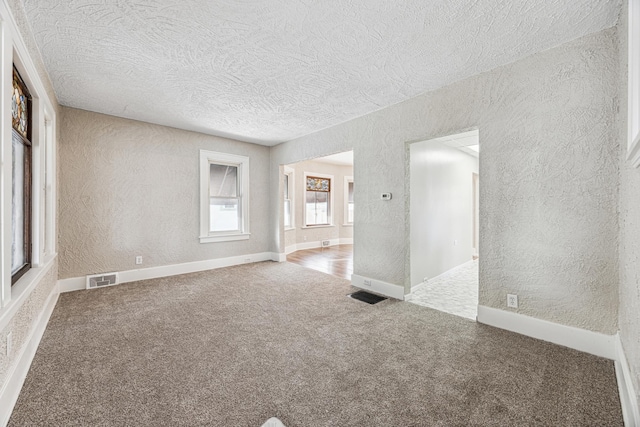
548	212
441	208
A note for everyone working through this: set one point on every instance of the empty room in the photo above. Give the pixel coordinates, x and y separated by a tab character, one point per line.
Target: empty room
223	213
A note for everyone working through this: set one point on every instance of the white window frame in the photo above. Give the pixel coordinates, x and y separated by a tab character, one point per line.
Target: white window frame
347	180
43	167
633	141
331	204
242	163
291	173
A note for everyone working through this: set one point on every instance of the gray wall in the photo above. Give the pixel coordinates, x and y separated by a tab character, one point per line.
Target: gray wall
130	188
441	211
629	311
549	167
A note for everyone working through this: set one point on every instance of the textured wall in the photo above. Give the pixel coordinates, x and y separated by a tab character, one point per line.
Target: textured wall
130	188
549	167
629	311
441	210
24	320
338	230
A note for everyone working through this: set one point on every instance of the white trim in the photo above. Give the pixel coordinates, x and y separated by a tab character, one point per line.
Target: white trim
317	244
633	119
22	289
16	375
79	283
278	257
378	286
290	249
224	237
568	336
345	189
242	163
291	173
318	226
628	396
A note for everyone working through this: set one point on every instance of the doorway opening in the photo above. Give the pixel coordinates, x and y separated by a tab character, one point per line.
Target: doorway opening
319	213
444	223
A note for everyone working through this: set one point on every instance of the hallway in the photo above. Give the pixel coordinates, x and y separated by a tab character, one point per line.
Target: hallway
454	292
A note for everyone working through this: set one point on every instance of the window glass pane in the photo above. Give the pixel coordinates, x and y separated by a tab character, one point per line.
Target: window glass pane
287	213
317	207
351	192
223	181
224	214
18	254
286	186
350	213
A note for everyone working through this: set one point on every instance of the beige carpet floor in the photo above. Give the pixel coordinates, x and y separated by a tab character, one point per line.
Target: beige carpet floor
236	346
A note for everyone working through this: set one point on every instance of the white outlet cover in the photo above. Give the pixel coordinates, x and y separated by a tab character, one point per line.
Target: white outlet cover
512	301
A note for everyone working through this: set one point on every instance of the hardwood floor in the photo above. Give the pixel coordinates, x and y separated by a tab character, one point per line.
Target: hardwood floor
335	260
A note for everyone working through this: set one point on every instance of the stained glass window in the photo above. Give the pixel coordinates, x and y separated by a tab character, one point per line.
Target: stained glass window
21	180
20	106
318	184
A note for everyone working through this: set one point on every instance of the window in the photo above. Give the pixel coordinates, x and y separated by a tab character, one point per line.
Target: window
318	200
224	188
348	200
21	179
288	197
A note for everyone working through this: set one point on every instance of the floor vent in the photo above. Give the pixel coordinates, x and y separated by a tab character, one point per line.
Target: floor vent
102	280
367	297
326	243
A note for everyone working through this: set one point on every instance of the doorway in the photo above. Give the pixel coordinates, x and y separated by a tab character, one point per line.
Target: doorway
444	223
319	213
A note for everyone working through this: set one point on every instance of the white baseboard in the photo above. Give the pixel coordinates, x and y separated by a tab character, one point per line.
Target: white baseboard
278	257
579	339
16	375
79	283
628	396
378	286
290	249
316	244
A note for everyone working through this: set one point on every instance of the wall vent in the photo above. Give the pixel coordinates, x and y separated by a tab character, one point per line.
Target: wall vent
102	280
326	243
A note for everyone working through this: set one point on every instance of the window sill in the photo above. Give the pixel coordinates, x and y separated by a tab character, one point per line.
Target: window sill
347	225
22	289
289	228
224	238
319	226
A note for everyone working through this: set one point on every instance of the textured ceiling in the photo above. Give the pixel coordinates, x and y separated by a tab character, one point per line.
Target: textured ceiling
268	71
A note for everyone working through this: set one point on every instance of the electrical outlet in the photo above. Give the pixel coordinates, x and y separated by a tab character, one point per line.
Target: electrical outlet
304	238
512	301
139	259
367	282
9	342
